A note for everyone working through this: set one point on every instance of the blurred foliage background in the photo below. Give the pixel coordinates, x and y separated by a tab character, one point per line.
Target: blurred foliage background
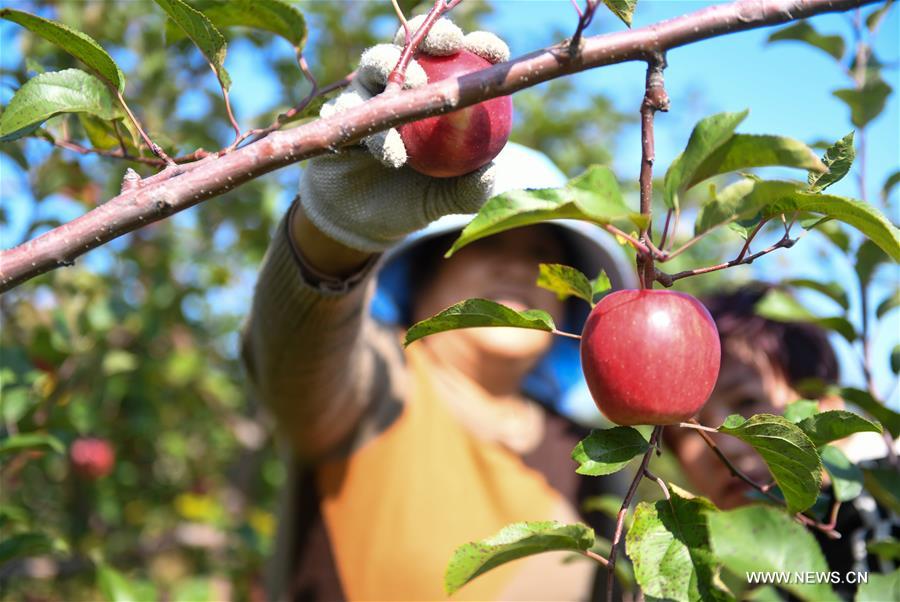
138	343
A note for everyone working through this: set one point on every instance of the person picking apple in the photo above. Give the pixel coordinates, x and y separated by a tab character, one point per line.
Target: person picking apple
765	366
397	455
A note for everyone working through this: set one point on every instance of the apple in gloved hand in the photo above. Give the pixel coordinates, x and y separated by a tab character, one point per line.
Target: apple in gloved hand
460	142
650	356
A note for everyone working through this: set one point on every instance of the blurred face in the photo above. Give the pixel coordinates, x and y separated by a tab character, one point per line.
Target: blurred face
748	384
502	268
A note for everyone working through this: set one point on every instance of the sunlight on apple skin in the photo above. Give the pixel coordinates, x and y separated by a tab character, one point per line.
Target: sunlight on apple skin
650	357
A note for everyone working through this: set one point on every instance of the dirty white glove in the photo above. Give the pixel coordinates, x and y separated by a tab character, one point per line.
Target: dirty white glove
365	197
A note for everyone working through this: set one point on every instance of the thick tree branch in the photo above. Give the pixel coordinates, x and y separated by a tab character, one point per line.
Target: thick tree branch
180	187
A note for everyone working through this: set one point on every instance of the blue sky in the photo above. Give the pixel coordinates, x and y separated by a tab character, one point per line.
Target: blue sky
787	86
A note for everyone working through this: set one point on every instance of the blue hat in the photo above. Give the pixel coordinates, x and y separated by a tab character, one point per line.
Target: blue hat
557	379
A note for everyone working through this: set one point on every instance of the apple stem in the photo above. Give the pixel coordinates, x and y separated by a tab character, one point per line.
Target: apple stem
655	99
398	75
623	510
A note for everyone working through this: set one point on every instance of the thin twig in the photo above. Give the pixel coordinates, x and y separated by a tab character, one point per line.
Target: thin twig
315	92
577	8
668	279
584	20
638	245
697	426
397	77
154	147
665	232
660	482
731	467
119	154
566	334
623	510
828	530
655	99
596	557
401	18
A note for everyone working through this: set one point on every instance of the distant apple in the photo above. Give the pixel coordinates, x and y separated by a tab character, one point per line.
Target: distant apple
92	458
460	142
650	356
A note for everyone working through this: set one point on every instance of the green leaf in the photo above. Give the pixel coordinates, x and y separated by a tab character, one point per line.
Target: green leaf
790	455
800	410
865	103
835	424
17	443
879	588
888	304
771	198
833	290
593	196
113	585
25	545
565	281
79	45
669	546
477	313
888	548
781	307
838	159
868	257
609	450
709	134
622	9
202	33
511	543
802	31
846	477
888	418
273	16
884	486
761	538
49	94
599	285
875	18
895	359
889	185
744	151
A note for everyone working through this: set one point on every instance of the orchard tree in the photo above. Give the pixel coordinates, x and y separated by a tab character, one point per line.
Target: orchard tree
132	464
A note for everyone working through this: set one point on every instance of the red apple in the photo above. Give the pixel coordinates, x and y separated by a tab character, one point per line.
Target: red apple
92	458
460	142
650	356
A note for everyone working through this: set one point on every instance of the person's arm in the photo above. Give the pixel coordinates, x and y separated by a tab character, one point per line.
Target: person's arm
305	342
314	356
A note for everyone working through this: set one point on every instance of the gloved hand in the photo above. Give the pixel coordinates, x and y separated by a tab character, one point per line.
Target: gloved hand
365	197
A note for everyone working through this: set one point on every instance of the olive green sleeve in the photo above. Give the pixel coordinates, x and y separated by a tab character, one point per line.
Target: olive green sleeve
311	350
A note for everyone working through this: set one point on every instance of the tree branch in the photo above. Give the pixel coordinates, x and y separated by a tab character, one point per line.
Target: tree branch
623	510
655	99
162	195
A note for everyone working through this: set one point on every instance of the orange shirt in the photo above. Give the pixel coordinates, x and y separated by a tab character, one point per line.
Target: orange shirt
394	510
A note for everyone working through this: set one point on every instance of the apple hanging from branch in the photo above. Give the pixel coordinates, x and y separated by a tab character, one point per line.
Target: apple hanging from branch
650	356
460	142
